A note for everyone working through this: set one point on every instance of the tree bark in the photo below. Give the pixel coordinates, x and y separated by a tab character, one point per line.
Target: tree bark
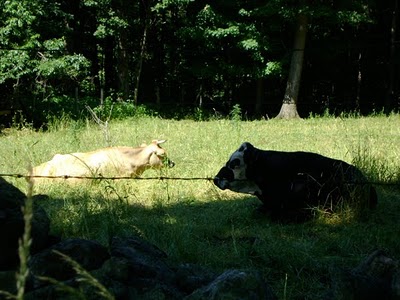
359	82
259	96
146	16
109	81
393	33
123	54
289	105
123	65
140	64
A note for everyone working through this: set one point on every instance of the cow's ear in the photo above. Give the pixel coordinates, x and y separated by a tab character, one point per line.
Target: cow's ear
248	145
248	154
242	147
245	146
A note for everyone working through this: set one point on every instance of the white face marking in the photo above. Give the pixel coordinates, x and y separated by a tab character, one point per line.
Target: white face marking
238	167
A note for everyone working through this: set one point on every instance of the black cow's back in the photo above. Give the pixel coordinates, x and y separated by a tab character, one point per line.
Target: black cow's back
298	180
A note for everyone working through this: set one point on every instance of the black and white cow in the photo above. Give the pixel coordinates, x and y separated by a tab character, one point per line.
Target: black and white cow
290	183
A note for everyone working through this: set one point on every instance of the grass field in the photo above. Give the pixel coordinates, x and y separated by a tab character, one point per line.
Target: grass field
193	221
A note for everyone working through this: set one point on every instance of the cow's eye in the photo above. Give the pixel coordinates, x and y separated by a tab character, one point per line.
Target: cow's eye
234	163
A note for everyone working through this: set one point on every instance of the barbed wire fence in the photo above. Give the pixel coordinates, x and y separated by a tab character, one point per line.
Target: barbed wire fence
162	178
104	177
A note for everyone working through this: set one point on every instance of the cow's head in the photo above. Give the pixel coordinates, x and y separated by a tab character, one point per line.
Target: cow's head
233	175
158	156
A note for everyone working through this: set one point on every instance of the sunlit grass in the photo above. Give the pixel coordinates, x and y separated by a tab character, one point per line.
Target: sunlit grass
193	221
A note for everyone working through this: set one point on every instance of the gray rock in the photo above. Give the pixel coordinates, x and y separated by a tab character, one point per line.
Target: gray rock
8	281
376	277
90	255
12	225
142	261
133	269
235	284
190	277
125	246
10	196
81	289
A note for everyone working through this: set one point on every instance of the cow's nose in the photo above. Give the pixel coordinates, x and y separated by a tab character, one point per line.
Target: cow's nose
218	183
216	180
169	163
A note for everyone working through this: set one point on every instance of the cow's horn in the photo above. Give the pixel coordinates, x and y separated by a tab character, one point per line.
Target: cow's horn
158	142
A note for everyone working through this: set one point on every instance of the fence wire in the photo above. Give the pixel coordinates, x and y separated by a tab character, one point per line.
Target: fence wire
66	177
105	178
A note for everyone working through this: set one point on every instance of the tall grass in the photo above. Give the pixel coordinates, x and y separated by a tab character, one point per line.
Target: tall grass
193	221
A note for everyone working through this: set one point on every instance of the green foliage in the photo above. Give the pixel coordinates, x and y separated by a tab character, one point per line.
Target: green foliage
57	52
236	113
14	65
198	114
249	44
71	66
116	110
273	67
166	5
16	33
231	31
109	25
20	122
34	59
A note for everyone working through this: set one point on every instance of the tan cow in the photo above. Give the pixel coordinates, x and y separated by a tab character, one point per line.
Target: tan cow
111	161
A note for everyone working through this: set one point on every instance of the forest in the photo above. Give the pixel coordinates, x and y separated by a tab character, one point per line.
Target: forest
275	58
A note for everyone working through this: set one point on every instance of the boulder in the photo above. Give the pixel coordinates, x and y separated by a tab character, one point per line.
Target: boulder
376	277
90	255
141	265
235	284
12	225
190	277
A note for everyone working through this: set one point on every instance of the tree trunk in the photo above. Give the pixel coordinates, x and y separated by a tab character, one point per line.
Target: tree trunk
140	64
359	82
145	16
392	58
259	96
109	81
123	65
289	105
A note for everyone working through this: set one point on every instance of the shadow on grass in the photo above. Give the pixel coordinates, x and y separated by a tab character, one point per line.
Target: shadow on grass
222	233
